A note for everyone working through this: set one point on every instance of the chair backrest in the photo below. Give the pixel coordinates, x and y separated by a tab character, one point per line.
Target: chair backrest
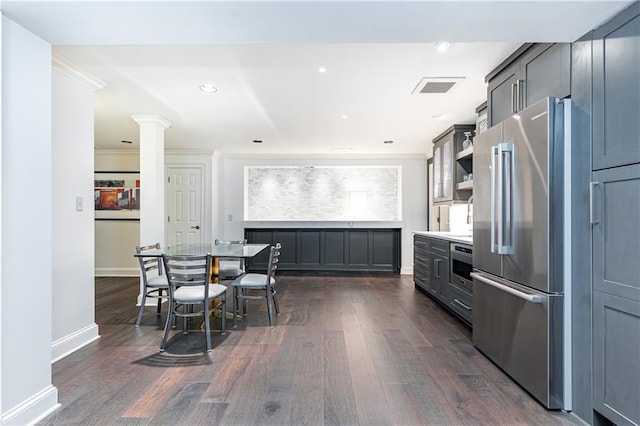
187	271
151	263
274	256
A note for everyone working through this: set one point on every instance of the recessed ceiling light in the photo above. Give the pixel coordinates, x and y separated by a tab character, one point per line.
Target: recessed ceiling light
442	45
208	88
257	141
345	116
322	70
388	142
126	141
437	116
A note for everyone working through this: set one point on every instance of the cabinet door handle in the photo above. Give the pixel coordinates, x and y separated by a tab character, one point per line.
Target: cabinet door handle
436	266
519	97
514	108
468	308
592	203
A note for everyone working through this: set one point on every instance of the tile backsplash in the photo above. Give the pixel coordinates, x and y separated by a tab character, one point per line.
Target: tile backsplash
458	218
323	193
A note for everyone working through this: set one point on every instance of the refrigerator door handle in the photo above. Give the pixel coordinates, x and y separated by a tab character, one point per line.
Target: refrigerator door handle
494	153
506	215
501	202
528	297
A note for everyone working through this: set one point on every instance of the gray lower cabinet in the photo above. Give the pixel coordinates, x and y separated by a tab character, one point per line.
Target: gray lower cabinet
431	272
329	249
616	358
540	71
616	91
440	276
422	262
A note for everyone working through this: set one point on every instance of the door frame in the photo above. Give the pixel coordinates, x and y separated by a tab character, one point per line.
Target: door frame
204	162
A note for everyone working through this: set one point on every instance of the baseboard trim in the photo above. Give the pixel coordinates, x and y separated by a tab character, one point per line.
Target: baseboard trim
74	341
117	272
408	270
34	409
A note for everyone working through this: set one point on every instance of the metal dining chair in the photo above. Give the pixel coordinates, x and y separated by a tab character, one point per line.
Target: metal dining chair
189	287
154	282
245	287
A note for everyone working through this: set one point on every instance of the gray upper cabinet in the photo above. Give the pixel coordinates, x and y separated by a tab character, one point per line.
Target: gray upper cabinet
501	97
446	170
538	71
616	91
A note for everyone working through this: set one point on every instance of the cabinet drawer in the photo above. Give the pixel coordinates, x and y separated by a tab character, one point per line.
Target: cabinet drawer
440	247
420	268
421	257
420	242
461	302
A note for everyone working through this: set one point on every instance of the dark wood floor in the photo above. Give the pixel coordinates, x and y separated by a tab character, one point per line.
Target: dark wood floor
350	350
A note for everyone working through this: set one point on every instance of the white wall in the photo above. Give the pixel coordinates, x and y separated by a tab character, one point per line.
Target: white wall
26	228
115	240
414	191
73	324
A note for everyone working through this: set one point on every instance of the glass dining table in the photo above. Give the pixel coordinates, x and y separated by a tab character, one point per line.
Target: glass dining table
240	251
227	251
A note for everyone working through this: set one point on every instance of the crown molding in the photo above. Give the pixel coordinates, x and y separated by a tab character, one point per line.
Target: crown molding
65	67
342	157
152	119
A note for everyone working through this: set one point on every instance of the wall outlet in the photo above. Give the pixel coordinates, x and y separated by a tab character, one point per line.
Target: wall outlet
79	203
230	217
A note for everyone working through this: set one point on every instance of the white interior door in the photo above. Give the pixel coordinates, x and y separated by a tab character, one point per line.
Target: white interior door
185	194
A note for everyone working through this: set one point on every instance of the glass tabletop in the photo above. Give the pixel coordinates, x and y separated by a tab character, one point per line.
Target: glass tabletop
222	250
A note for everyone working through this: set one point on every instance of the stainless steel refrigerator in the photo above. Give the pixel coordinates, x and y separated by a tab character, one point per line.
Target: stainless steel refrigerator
519	291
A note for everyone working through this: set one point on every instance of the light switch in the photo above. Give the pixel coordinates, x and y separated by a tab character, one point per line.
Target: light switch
79	203
230	217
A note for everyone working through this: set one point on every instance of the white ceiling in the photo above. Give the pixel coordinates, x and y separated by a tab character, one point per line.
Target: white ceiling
264	58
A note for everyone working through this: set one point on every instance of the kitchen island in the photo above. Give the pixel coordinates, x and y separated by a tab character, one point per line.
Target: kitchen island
329	246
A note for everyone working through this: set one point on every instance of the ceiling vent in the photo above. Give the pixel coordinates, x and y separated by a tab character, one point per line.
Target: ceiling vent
436	85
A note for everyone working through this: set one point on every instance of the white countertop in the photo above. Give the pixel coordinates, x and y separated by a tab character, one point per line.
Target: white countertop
450	236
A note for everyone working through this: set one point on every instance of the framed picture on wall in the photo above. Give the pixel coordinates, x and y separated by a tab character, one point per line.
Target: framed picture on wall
117	195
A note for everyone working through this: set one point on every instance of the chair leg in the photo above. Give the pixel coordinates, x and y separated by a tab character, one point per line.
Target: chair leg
235	307
275	302
244	302
223	313
141	310
185	322
166	328
270	309
159	303
207	325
